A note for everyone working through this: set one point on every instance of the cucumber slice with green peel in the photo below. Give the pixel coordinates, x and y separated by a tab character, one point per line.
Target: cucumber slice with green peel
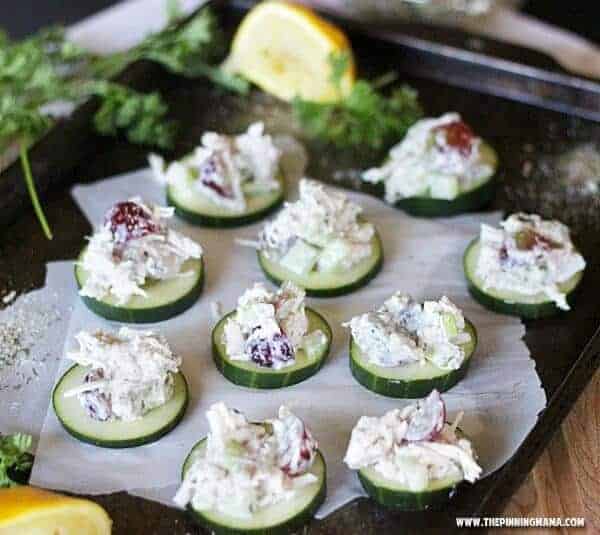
470	200
328	284
278	519
513	303
389	494
197	209
116	433
165	298
411	380
249	374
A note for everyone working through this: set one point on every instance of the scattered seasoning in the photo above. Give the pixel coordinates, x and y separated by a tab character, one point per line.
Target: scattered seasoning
22	326
580	169
561	183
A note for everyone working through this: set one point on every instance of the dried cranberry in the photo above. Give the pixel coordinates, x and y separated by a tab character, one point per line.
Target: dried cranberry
305	453
208	170
217	188
526	240
299	464
129	220
266	351
459	136
546	243
96	404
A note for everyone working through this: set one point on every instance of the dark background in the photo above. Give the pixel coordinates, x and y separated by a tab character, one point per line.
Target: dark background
20	17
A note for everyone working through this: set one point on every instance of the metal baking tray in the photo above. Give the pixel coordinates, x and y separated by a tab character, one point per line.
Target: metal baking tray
533	114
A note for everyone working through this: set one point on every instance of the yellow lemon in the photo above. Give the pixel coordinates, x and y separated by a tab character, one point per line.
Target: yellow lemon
286	50
33	511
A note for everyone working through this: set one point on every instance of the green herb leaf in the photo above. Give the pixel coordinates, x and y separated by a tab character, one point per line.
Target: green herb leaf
174	11
187	49
46	68
367	118
339	62
141	116
14	456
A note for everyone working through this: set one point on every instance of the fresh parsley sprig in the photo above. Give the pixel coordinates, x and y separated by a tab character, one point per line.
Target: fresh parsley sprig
365	118
47	68
14	457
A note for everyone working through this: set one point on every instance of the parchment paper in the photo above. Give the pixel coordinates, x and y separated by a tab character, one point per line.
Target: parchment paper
501	394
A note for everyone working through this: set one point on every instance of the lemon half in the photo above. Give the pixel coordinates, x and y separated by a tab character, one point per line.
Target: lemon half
33	511
286	49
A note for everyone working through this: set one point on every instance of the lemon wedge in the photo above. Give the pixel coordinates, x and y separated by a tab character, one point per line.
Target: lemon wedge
286	50
33	511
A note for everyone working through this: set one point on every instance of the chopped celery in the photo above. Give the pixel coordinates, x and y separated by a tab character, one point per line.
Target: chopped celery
444	187
301	258
333	255
313	343
449	325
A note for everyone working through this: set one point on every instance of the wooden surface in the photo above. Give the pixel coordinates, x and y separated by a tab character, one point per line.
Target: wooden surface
566	479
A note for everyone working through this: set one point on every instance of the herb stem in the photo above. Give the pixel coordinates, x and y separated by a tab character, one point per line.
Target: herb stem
29	182
385	79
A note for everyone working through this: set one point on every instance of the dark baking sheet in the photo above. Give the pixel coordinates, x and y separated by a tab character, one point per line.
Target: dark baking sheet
529	141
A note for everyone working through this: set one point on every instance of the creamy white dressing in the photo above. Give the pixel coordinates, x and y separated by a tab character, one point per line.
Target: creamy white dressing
321	231
528	255
384	444
403	331
248	466
120	268
225	169
268	328
131	373
425	164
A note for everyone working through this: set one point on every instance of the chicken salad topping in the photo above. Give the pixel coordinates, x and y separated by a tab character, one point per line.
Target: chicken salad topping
322	231
225	169
413	447
134	246
249	466
438	157
131	373
403	331
528	255
268	328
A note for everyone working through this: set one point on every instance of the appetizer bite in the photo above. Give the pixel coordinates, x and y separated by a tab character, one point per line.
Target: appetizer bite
321	243
528	267
411	458
227	181
253	477
440	168
125	390
136	269
271	339
406	349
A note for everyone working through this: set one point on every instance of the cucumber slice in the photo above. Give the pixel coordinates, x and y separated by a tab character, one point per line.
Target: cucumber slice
248	374
199	210
165	299
476	198
390	494
513	303
116	434
411	380
332	283
278	519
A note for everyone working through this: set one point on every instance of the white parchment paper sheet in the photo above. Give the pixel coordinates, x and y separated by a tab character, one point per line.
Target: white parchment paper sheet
501	393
